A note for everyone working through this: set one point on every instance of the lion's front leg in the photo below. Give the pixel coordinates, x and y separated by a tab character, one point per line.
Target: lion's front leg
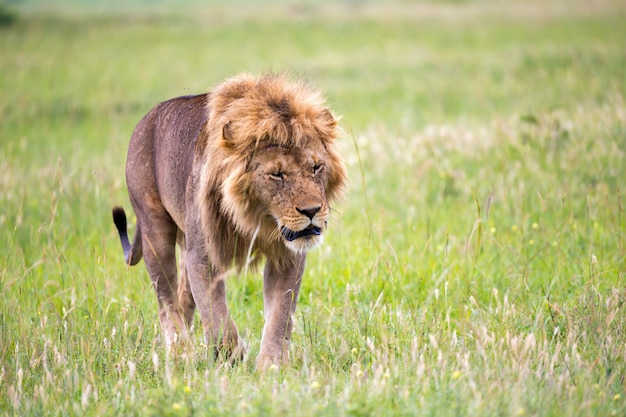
281	285
209	292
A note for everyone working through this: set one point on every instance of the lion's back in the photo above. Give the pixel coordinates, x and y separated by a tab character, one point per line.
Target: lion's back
161	151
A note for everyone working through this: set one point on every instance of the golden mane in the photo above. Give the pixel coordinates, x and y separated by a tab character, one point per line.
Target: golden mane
246	110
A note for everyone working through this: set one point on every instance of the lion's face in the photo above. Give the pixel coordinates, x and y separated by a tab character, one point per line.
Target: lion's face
291	185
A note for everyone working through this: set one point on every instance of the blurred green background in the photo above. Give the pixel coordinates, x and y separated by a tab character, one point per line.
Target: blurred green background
476	266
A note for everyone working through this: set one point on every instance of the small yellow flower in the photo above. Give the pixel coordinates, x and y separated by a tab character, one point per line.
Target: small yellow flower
456	374
535	226
514	228
616	397
521	412
177	406
492	230
273	367
531	242
187	389
354	351
315	385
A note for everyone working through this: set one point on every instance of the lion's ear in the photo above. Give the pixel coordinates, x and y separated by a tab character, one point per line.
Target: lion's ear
326	125
227	134
327	118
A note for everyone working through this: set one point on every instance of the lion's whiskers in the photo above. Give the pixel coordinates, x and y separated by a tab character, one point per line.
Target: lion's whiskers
275	233
333	216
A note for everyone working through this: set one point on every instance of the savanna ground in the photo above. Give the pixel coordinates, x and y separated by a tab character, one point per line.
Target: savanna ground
476	267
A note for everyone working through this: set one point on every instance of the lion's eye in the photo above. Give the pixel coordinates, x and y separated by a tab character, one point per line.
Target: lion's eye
278	176
317	168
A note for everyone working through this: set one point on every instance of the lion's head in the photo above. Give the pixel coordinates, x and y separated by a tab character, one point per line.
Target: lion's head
270	154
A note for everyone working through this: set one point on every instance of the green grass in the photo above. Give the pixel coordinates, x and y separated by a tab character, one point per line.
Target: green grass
477	266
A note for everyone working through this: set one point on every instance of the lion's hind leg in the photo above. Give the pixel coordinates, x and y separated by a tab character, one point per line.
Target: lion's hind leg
159	242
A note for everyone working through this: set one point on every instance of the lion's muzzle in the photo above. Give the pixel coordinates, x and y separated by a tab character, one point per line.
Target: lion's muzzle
292	235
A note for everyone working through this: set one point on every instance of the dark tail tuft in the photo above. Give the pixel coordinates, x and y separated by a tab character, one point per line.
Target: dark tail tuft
119	218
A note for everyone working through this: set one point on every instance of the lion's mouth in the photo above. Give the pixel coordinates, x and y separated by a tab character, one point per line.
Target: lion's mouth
292	235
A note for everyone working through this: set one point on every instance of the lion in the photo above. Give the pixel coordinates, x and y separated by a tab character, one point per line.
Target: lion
244	172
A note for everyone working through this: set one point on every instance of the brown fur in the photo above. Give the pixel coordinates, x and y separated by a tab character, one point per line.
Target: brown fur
245	170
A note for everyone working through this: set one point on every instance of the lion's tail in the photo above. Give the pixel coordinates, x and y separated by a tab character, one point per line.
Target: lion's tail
132	253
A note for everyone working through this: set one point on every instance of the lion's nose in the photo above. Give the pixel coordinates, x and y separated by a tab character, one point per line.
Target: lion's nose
309	211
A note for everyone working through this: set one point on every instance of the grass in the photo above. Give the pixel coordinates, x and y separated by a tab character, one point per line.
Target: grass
477	266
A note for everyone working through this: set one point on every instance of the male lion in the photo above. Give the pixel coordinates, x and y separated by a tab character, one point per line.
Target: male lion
247	169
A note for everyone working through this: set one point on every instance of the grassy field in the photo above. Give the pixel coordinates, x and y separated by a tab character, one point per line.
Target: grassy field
476	268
